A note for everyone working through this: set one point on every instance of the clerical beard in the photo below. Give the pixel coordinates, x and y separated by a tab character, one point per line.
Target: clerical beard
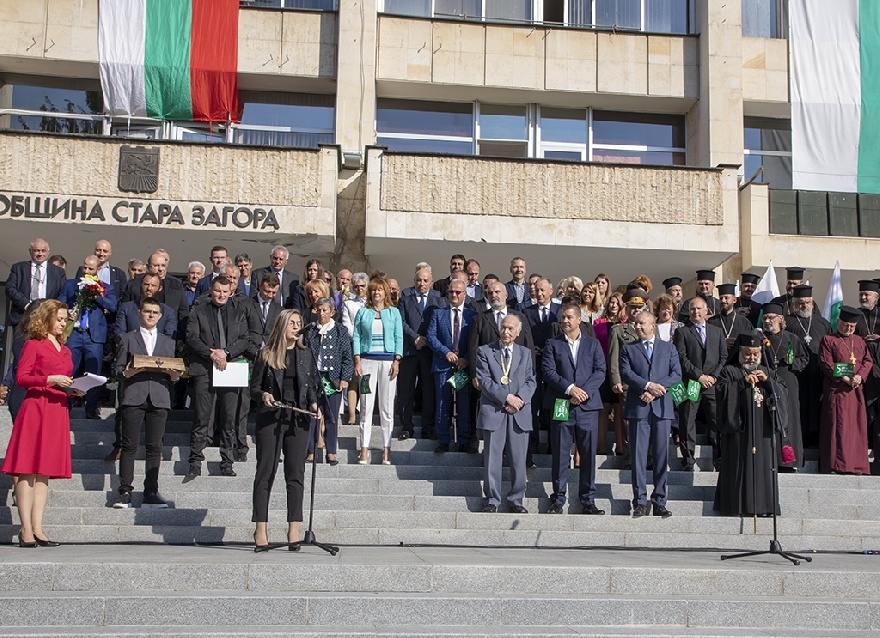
749	367
803	313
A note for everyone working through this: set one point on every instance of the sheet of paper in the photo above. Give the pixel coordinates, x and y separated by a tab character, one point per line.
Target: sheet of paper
88	381
236	375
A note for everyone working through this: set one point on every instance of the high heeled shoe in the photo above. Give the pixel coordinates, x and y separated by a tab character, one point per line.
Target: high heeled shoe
21	542
259	548
45	542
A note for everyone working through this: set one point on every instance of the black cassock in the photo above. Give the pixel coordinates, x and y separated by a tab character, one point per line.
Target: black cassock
872	403
788	355
734	493
810	378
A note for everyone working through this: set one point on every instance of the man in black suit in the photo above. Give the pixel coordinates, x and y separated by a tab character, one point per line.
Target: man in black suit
219	259
264	304
277	265
705	290
415	306
732	323
518	289
216	334
33	279
703	352
456	270
110	275
541	316
145	397
482	305
128	316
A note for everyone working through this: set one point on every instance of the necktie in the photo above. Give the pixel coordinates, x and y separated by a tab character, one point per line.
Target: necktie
456	329
221	329
543	315
649	347
506	357
702	331
422	303
498	318
35	282
84	319
265	305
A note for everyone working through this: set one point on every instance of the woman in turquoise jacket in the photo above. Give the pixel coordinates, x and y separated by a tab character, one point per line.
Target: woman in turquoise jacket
377	349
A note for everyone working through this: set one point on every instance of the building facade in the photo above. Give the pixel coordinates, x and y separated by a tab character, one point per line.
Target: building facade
622	136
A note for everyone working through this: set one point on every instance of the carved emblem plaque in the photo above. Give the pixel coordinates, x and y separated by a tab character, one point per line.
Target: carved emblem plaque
138	169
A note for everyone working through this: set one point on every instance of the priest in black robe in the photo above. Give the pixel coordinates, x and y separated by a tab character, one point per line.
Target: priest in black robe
810	327
745	422
787	355
744	305
794	277
732	324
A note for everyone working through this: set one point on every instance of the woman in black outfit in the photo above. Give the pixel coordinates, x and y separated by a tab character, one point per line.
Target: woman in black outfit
284	371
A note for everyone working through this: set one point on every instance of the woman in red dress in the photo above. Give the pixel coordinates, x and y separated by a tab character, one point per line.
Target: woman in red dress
39	448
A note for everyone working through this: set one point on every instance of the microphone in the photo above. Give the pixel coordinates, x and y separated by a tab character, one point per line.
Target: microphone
305	328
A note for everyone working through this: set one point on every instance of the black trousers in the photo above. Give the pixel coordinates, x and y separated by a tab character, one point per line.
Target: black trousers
412	369
687	426
154	419
241	416
330	407
279	432
225	400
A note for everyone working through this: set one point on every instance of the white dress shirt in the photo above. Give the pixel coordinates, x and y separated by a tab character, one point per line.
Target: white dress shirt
41	275
499	317
150	337
573	346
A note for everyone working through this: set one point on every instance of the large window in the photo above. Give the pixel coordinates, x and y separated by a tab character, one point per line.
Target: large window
56	110
765	18
323	5
662	16
767	145
530	131
268	119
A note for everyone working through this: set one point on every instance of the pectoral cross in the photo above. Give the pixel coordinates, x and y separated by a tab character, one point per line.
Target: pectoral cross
759	397
852	357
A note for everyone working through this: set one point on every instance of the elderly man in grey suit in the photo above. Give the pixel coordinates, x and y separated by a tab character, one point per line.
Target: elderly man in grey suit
506	375
145	397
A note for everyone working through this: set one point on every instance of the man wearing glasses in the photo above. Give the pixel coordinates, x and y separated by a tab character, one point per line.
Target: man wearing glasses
33	279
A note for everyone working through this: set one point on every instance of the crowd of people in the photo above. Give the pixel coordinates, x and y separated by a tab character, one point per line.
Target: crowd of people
478	358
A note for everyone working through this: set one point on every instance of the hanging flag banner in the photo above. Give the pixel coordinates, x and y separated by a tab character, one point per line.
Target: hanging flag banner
170	59
834	49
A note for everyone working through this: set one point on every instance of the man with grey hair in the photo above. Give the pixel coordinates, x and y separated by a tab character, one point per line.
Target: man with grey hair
194	273
138	267
746	427
33	279
506	375
247	282
278	266
416	305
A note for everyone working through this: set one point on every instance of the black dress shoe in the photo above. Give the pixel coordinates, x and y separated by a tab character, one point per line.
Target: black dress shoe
641	510
661	511
687	468
227	471
404	435
555	508
489	508
193	472
592	509
113	456
94	416
294	547
241	457
473	448
518	509
441	449
21	542
260	548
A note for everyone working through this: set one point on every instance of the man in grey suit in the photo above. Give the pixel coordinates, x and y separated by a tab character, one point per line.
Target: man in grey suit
507	382
145	397
649	367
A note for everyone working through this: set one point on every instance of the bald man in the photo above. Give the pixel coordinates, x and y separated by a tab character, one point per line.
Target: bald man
110	275
86	341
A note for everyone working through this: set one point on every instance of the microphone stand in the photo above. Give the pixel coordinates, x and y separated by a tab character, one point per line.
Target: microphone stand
777	426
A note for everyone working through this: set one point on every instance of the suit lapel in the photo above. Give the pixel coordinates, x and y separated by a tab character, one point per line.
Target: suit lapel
697	335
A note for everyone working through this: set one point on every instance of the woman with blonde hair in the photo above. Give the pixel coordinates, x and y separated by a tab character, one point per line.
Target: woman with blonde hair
283	371
665	309
39	448
314	290
378	348
590	302
605	291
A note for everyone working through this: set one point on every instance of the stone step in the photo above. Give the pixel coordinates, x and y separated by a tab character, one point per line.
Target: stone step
691	523
384	631
415	609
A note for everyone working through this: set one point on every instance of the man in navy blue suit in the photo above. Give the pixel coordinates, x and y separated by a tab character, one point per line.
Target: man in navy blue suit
415	306
89	335
32	279
128	313
448	340
518	287
574	368
541	316
649	367
219	259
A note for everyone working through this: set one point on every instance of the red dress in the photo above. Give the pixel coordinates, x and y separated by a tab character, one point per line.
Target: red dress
40	441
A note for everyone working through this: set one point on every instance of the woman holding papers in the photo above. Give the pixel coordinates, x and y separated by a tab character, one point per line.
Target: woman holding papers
283	372
39	448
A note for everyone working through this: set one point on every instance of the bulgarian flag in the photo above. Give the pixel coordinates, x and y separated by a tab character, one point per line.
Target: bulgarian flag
834	48
170	59
834	298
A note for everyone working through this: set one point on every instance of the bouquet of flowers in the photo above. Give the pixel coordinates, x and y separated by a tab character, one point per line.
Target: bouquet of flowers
89	289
